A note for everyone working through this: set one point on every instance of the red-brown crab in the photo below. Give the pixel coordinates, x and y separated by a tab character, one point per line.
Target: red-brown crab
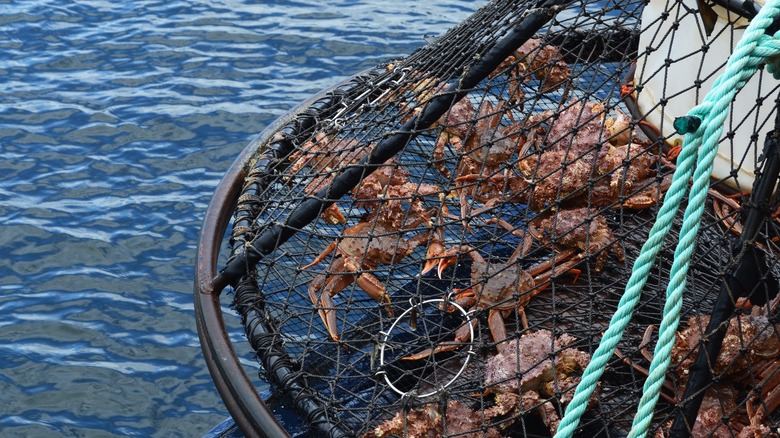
534	57
528	372
427	422
487	178
323	154
456	126
393	199
586	159
484	173
499	288
748	357
615	177
361	249
566	162
580	228
475	136
579	128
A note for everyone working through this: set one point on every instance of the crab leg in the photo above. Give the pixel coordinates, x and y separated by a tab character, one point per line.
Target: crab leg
375	289
333	215
326	310
316	285
666	385
771	393
647	337
322	255
512	190
465	298
326	304
461	336
648	196
437	254
725	209
496	325
520	251
554	265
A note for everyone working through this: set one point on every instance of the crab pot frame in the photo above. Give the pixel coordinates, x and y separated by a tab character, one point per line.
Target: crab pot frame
507	168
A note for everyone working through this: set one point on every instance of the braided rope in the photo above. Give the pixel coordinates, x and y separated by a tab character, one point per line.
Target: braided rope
701	143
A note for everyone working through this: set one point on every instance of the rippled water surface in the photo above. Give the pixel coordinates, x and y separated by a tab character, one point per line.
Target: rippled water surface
117	121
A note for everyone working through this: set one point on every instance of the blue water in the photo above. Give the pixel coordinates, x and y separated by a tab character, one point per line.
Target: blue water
117	121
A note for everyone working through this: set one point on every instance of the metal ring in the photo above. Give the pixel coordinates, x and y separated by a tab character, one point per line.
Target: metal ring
386	336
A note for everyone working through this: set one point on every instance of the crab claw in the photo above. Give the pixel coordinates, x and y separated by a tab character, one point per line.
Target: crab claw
437	255
432	257
333	215
445	262
673	153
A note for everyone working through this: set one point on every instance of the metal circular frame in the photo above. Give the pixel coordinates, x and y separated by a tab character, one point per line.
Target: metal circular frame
386	336
248	410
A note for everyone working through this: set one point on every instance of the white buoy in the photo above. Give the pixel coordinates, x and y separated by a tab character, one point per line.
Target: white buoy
675	53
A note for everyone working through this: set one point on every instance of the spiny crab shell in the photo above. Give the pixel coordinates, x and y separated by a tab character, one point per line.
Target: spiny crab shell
426	422
534	369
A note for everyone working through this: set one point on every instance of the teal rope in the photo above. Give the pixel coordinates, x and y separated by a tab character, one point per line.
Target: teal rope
753	49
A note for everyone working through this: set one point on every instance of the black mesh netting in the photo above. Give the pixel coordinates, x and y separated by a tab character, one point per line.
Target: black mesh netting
526	204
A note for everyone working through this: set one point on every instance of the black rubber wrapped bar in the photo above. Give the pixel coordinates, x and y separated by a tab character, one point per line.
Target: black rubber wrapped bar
249	300
266	340
310	208
745	279
236	389
747	9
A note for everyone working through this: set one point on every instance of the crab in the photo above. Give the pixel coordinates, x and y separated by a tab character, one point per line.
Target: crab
498	288
566	162
456	127
580	228
324	153
585	159
361	249
482	172
534	57
486	177
545	62
525	374
428	422
393	199
621	176
579	129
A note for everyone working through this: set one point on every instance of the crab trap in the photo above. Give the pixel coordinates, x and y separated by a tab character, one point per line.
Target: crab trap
447	244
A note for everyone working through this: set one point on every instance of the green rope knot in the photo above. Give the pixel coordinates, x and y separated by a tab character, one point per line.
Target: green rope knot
686	124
